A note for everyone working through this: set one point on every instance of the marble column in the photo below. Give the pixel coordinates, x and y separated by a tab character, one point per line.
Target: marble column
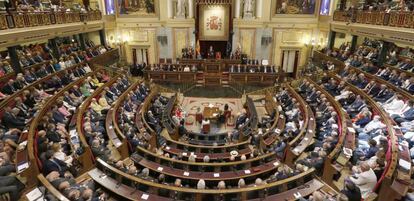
259	8
190	9
237	9
170	9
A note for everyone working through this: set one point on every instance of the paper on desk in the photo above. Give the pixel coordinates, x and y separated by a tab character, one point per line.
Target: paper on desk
347	152
247	171
216	174
24	143
160	169
145	196
186	174
34	194
404	164
22	167
297	195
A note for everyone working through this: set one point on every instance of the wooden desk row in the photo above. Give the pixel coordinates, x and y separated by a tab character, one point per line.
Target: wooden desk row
253	78
298	145
80	116
202	166
346	138
10	99
30	151
262	170
272	107
390	173
384	191
153	190
115	135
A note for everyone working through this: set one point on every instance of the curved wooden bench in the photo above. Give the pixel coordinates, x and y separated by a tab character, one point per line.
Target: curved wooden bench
58	195
234	175
216	166
295	148
85	106
346	138
385	181
261	191
32	159
113	131
10	99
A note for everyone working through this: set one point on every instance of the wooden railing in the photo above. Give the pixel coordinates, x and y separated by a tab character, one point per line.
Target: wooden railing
382	18
33	19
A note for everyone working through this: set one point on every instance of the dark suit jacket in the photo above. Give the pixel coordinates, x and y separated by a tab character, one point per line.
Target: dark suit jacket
8	89
54	165
11	121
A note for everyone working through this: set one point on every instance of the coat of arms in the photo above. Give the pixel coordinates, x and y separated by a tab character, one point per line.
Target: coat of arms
214	23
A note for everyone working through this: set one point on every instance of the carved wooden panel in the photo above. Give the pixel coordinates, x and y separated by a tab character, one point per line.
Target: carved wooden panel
155	76
77	17
380	18
19	20
401	19
393	19
212	81
68	18
59	18
46	19
269	79
254	79
32	19
171	77
360	17
239	78
187	77
408	20
3	22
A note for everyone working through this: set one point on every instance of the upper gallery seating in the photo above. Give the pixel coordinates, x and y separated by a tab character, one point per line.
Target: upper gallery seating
391	13
32	18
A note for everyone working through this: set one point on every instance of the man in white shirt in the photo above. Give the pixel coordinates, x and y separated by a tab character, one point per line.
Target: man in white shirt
366	180
371	130
394	106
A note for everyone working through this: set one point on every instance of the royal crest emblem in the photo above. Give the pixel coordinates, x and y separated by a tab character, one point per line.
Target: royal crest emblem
214	23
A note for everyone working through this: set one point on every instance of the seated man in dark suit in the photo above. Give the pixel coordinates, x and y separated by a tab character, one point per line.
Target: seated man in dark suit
372	88
53	164
11	120
11	185
9	88
384	94
406	65
99	151
356	106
